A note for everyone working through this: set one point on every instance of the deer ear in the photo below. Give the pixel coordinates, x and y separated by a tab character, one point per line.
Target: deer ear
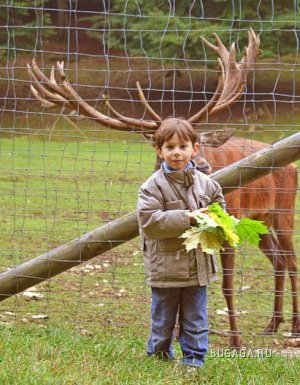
150	138
215	138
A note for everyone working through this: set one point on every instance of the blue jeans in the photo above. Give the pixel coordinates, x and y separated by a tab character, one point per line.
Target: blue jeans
193	325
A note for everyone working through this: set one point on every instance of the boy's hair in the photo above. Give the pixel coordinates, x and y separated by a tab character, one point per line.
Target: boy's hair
172	126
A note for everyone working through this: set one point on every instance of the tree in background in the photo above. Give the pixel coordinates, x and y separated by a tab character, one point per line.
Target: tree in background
23	25
171	29
153	28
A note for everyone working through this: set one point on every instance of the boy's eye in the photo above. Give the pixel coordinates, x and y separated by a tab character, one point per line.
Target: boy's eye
183	147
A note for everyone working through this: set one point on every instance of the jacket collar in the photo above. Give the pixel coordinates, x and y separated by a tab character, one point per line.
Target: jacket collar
185	177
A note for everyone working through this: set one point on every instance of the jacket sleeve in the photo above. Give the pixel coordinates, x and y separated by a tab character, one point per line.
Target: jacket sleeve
154	221
217	195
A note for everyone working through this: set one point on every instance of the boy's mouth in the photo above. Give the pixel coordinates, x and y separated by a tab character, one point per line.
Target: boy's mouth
178	163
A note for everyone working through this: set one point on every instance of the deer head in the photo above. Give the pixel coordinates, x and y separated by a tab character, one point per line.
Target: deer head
231	84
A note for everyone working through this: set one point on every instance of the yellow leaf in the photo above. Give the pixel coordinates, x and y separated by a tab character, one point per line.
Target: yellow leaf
192	240
230	235
209	242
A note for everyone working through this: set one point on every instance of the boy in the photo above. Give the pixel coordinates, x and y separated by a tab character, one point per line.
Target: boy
177	278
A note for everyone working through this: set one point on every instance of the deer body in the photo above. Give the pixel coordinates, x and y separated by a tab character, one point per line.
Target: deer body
272	200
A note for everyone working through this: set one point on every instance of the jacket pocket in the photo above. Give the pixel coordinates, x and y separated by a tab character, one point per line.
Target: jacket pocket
206	267
175	205
173	266
150	258
172	245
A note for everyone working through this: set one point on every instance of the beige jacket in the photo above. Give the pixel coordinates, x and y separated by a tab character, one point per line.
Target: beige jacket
163	202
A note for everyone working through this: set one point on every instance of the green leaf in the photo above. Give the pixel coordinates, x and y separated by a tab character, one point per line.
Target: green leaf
203	220
216	226
250	230
228	228
228	220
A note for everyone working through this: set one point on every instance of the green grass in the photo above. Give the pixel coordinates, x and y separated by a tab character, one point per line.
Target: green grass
56	191
58	355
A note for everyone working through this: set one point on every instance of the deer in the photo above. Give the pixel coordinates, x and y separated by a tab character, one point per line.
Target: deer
270	198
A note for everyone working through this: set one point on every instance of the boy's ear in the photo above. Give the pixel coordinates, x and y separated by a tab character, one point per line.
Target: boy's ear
158	151
196	147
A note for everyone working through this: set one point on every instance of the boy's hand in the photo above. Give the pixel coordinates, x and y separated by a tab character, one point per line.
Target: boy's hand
193	221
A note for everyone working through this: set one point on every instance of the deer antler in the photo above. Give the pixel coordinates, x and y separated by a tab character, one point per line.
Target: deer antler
51	94
232	80
230	87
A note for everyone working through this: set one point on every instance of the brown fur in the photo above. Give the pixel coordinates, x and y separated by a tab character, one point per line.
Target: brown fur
272	200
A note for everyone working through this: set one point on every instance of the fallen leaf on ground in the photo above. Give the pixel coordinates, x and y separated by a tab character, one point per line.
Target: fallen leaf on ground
39	316
33	295
292	342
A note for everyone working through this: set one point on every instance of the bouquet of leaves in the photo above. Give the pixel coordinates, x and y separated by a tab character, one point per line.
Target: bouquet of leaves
215	226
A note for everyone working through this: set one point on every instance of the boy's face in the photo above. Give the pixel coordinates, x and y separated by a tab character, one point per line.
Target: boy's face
177	152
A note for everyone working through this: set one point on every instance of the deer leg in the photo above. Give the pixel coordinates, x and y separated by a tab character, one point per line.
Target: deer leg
227	260
287	248
270	247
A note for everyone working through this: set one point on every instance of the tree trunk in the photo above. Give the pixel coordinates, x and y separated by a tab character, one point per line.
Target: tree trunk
125	228
64	15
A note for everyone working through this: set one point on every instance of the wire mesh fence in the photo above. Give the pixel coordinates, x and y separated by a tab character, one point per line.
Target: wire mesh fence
63	175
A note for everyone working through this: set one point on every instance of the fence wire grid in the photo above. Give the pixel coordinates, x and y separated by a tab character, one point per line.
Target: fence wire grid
63	175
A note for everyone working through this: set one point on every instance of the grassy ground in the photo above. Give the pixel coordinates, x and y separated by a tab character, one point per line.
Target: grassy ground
89	325
57	355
